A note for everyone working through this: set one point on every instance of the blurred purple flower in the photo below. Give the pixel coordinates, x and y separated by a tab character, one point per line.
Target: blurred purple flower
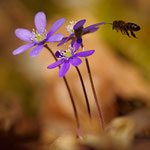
76	31
69	57
39	37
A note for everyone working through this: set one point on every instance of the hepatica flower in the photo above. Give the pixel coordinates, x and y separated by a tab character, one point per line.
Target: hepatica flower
68	57
38	37
76	31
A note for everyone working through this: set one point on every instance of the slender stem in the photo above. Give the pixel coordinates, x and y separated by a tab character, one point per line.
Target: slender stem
71	97
94	92
84	90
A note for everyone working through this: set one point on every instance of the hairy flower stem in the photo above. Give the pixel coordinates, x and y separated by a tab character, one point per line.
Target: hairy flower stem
84	90
94	92
71	97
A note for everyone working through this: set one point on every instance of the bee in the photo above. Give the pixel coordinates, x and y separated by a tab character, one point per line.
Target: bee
125	27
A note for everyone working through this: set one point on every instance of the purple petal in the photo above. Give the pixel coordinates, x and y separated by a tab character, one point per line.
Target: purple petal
72	42
93	30
58	54
79	24
66	39
55	38
64	69
93	26
90	30
55	26
76	45
36	50
84	53
55	64
23	34
23	48
75	61
40	21
62	41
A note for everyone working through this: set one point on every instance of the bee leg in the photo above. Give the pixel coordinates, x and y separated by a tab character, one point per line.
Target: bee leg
127	33
123	31
133	34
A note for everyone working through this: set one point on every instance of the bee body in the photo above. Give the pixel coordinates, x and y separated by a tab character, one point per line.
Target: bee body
125	27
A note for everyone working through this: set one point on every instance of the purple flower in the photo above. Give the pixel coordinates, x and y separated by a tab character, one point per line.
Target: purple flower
76	31
38	37
69	57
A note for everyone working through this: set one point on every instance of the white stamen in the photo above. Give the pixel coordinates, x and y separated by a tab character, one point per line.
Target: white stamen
38	37
83	48
69	28
66	53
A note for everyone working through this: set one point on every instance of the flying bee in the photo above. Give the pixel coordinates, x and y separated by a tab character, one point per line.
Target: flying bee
125	27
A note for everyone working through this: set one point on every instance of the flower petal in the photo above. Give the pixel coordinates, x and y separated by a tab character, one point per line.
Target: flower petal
93	30
79	24
55	38
55	64
84	53
66	39
36	50
55	26
62	41
88	28
75	61
23	34
23	48
76	45
72	42
58	54
40	21
64	69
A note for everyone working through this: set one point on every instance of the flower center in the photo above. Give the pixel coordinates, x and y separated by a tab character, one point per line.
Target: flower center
68	53
70	27
38	37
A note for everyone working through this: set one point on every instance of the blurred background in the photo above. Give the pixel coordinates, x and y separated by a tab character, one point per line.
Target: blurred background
35	108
